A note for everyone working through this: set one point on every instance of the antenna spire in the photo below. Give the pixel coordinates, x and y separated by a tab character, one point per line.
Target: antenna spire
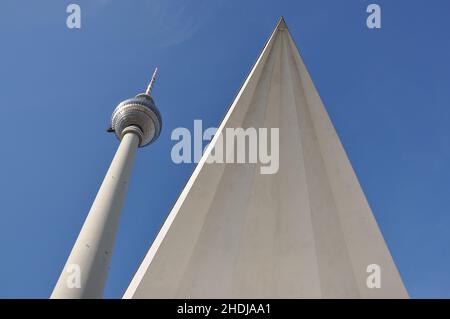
152	81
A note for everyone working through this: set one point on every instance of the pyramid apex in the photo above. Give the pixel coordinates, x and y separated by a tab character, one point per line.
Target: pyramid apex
281	25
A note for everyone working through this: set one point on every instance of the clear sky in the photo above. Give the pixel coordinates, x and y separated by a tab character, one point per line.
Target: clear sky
387	92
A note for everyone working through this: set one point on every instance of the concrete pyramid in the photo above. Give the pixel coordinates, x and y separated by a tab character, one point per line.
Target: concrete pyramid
305	232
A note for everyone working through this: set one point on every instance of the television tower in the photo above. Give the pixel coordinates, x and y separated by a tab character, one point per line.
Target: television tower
136	123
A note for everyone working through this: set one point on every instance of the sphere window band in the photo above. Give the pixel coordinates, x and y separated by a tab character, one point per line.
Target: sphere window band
141	112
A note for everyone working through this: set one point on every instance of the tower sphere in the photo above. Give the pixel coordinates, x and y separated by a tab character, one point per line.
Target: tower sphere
139	114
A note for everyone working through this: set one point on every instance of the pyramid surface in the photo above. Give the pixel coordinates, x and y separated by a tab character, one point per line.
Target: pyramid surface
305	232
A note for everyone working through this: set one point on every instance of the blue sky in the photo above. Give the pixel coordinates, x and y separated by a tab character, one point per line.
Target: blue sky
386	91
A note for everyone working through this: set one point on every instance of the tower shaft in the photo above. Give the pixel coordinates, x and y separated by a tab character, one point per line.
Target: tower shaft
85	272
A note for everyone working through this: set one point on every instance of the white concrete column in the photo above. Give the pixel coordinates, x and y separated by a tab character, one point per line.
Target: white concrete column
86	269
